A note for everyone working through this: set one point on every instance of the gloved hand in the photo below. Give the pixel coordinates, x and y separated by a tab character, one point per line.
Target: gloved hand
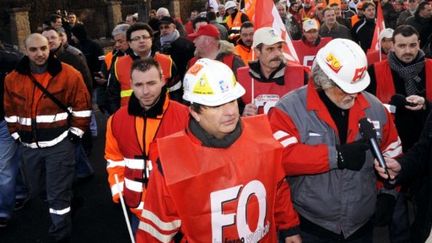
73	138
384	209
352	156
399	101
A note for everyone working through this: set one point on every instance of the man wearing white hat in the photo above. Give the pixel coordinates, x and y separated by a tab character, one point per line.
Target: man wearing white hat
328	161
308	46
235	17
385	39
269	77
221	179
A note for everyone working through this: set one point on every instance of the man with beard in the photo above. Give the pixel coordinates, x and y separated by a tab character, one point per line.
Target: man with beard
334	186
269	77
404	81
243	47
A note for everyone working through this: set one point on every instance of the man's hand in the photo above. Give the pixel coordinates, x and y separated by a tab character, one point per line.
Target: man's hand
352	156
293	239
99	78
393	168
250	110
416	102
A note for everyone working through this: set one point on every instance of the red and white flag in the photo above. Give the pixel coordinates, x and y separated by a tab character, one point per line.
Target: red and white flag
268	16
379	26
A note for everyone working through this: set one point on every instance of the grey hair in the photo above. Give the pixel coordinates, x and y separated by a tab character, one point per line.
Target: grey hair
321	80
120	29
163	12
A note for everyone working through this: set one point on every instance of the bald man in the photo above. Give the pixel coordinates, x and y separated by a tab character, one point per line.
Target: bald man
47	109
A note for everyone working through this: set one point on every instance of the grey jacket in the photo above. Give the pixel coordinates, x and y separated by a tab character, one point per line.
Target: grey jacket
340	201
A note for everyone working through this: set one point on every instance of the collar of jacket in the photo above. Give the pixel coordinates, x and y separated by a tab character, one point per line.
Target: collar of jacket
58	51
209	140
243	46
135	109
54	66
132	54
316	42
277	76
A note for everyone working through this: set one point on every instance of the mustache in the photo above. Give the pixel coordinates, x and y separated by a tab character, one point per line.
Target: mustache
276	59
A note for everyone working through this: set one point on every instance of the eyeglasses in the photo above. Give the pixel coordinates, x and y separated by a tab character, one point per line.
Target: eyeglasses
144	37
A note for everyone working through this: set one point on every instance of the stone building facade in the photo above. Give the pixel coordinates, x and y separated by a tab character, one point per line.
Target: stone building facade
22	17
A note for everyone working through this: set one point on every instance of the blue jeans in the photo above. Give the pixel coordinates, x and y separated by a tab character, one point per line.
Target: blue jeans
11	183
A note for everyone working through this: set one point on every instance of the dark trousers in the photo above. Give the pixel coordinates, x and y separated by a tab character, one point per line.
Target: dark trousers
53	167
310	238
399	227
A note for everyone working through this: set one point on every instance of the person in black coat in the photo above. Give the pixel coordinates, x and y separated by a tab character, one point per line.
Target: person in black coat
417	162
363	31
179	48
91	49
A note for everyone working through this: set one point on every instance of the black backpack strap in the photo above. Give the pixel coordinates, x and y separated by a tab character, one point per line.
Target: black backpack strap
51	96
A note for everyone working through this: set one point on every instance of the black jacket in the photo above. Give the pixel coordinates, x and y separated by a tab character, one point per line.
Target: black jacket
409	123
76	60
181	51
417	163
363	31
422	25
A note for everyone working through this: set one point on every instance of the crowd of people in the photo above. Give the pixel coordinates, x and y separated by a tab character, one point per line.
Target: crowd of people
212	135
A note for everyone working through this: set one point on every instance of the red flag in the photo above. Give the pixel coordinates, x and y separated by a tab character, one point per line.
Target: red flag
249	9
379	26
268	16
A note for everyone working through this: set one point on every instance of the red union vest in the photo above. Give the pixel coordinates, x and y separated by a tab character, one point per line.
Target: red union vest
123	69
232	190
267	94
385	85
307	53
136	158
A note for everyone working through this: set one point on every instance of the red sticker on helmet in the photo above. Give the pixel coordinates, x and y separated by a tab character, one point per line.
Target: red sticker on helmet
358	74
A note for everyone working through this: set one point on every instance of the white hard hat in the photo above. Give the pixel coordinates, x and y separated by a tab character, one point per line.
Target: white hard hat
230	4
211	83
345	63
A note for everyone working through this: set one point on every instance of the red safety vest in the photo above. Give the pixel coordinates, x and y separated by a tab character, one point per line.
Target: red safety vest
267	94
123	69
385	85
240	184
306	53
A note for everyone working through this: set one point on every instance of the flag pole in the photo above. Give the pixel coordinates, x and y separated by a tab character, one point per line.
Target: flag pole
253	82
379	46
